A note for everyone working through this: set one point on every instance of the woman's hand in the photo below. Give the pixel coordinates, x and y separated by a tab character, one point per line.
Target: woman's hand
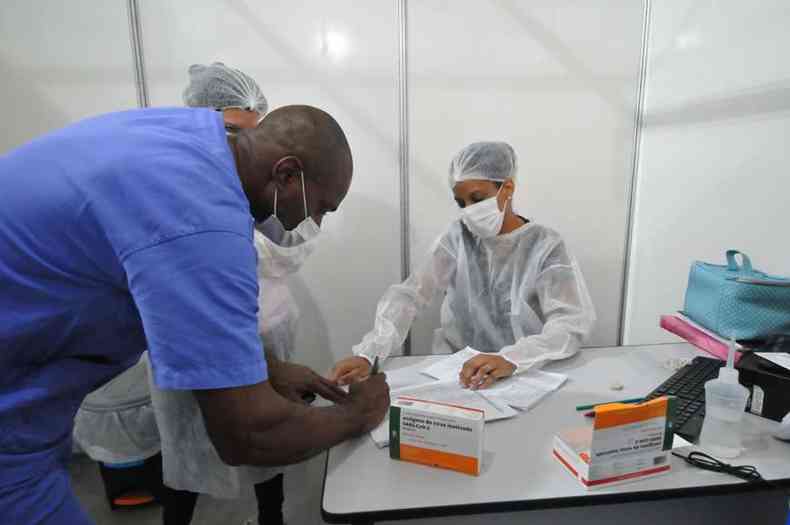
350	370
483	370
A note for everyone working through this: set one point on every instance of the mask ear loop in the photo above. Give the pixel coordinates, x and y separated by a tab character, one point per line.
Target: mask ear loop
508	200
504	204
304	196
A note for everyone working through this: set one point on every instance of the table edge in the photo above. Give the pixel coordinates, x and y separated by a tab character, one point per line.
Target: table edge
586	500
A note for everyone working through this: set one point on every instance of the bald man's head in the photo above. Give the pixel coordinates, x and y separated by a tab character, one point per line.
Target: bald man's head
291	142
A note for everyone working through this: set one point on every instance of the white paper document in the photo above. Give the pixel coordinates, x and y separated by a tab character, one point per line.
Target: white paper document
380	434
449	368
525	391
452	393
445	392
776	358
679	442
497	402
407	377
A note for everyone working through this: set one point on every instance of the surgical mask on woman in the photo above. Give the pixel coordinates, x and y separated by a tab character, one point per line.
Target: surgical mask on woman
484	219
284	251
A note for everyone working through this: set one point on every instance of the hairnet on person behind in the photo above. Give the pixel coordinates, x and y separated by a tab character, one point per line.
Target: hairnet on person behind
494	161
221	87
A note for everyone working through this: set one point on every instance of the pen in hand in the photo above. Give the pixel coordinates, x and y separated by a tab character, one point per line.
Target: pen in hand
375	369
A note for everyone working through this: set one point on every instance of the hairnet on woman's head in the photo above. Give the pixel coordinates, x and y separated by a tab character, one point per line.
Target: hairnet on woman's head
494	161
221	87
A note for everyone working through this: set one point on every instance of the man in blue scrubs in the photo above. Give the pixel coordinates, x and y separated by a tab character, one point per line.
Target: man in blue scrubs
133	230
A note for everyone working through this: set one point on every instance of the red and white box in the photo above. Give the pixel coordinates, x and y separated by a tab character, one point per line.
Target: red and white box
625	443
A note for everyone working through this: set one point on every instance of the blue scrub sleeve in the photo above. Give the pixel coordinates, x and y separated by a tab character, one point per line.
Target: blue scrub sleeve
198	300
44	500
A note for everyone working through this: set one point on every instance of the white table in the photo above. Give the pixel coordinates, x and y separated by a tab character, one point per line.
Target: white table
363	485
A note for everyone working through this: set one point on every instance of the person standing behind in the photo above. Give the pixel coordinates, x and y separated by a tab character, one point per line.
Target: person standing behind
228	90
191	464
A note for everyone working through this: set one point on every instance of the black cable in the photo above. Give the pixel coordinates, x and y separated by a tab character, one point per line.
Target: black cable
706	462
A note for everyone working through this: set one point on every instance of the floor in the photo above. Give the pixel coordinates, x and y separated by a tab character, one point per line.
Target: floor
303	498
302	494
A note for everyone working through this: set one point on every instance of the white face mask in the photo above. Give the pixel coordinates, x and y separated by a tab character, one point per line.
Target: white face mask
305	231
282	251
484	219
276	261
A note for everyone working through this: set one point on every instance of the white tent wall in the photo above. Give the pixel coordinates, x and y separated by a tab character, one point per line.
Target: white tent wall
558	81
713	170
543	80
60	62
538	76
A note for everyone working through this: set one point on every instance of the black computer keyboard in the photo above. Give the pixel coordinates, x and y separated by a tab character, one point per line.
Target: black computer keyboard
688	386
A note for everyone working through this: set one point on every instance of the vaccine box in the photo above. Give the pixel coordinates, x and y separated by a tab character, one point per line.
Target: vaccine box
625	443
437	434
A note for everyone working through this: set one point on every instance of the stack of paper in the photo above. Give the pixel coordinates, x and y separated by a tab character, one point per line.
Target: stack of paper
451	393
449	368
407	377
525	391
776	358
522	391
497	402
448	392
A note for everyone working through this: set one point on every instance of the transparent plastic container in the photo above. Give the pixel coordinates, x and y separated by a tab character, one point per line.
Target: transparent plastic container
725	402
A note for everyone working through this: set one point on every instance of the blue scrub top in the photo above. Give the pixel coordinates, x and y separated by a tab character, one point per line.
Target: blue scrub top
119	233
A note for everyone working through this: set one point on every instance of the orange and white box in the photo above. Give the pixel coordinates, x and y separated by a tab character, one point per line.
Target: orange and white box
437	434
625	443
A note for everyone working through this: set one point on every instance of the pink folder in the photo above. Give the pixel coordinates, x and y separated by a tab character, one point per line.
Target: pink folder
697	337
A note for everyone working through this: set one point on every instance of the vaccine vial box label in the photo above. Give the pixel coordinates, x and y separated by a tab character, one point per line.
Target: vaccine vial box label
625	443
437	434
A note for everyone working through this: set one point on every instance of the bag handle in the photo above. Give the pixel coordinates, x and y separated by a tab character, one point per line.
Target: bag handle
732	262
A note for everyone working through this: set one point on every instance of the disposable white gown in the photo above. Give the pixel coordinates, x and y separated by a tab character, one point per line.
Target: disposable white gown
521	295
190	461
116	423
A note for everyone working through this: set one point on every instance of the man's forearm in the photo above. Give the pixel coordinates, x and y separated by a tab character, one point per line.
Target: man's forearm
254	425
306	432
